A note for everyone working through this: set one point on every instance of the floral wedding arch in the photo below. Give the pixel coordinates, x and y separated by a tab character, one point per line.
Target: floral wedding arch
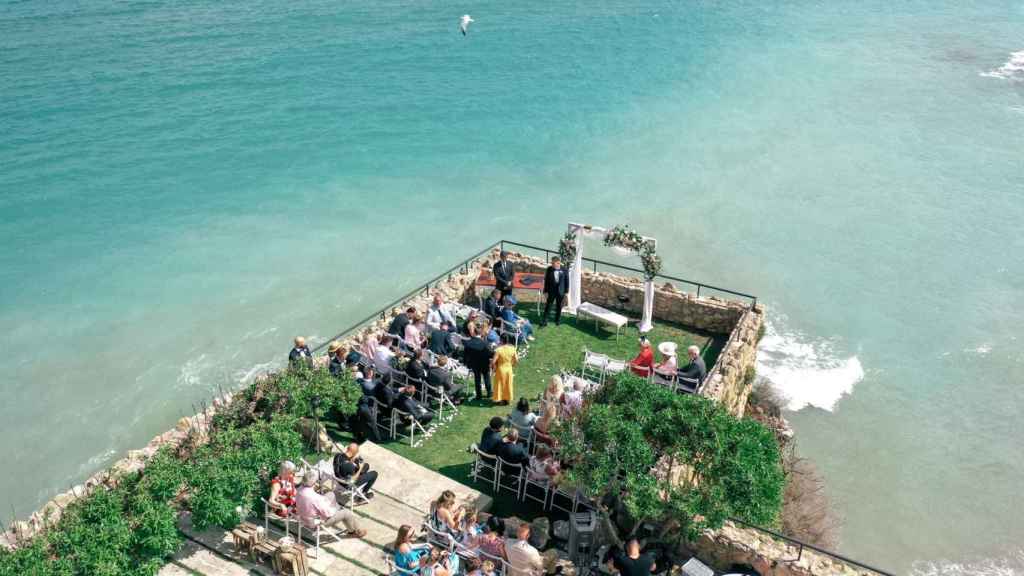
621	237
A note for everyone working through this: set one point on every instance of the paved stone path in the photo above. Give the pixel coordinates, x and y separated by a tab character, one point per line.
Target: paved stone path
404	492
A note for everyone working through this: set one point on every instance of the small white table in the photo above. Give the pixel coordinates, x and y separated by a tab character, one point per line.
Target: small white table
600	314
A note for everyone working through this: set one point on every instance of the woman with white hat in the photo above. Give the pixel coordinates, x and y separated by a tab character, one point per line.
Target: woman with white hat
668	366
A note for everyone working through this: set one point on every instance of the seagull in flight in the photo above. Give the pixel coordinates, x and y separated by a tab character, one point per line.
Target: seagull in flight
464	23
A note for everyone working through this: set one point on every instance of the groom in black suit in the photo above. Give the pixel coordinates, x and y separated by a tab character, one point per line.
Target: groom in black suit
556	286
504	272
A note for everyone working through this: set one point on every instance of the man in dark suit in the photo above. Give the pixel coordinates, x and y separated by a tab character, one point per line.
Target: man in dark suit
492	305
476	354
490	438
406	403
504	271
441	376
440	341
397	327
511	451
695	370
417	369
556	286
300	356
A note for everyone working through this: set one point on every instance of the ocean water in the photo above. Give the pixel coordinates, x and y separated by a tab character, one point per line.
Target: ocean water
185	186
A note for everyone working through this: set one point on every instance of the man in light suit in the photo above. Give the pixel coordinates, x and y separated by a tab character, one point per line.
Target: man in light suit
504	271
556	286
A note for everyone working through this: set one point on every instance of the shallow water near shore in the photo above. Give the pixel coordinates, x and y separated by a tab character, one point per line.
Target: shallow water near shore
186	186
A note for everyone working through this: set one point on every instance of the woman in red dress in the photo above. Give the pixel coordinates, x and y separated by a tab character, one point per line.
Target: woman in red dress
282	490
641	365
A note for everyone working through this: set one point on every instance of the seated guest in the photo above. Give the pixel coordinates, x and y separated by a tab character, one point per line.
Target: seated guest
471	528
542	427
572	400
440	313
523	558
353	357
492	305
488	333
337	364
300	356
416	559
413	333
312	506
397	327
282	490
440	376
695	370
491	541
490	438
361	423
554	390
511	451
544	467
644	361
366	380
522	418
383	356
440	342
445	517
348	465
385	395
510	318
416	368
368	347
406	402
472	318
631	562
668	366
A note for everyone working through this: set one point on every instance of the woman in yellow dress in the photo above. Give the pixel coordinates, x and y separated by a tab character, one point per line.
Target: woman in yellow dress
501	364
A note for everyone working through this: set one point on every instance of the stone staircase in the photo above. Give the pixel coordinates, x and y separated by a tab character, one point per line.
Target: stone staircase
404	492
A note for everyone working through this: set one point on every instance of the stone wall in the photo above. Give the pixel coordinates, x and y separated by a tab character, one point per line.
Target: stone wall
727	380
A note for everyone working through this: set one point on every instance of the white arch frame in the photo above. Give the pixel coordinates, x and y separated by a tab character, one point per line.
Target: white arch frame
576	275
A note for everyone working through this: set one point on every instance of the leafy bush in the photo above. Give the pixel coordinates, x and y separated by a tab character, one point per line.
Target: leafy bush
707	464
234	467
306	393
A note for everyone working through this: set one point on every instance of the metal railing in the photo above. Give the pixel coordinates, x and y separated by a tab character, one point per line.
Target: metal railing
801	545
596	263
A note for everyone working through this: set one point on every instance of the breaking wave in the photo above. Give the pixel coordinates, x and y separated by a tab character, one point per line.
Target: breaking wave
806	372
1012	565
1013	69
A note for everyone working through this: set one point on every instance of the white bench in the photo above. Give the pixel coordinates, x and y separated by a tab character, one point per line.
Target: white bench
600	314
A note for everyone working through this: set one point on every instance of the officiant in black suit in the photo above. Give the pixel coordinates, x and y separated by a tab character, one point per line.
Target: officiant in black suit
556	286
504	272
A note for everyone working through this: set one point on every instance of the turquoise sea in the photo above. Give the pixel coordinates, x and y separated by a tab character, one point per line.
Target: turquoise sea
186	185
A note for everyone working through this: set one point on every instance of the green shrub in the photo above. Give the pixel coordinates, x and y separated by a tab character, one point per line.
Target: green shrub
233	469
307	393
732	466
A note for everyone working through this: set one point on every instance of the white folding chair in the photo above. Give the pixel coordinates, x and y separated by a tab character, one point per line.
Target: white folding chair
404	419
485	466
438	400
570	497
645	372
525	434
511	330
687	385
269	514
543	485
594	366
510	477
666	381
319	531
345	490
381	418
399	379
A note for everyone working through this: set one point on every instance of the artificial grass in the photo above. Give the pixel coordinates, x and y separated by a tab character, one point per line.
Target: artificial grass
556	348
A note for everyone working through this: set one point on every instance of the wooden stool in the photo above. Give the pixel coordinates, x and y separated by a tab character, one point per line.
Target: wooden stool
265	552
291	561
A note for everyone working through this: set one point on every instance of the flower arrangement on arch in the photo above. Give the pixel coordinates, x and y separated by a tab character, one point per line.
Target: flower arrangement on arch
567	248
625	237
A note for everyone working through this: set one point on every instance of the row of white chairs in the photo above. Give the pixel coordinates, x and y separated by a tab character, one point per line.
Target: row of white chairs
515	478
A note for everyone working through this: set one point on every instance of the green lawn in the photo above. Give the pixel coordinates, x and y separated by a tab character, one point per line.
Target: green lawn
556	348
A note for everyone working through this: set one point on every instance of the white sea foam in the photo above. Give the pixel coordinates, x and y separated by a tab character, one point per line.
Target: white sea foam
1012	70
246	376
981	350
189	375
1012	565
807	372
